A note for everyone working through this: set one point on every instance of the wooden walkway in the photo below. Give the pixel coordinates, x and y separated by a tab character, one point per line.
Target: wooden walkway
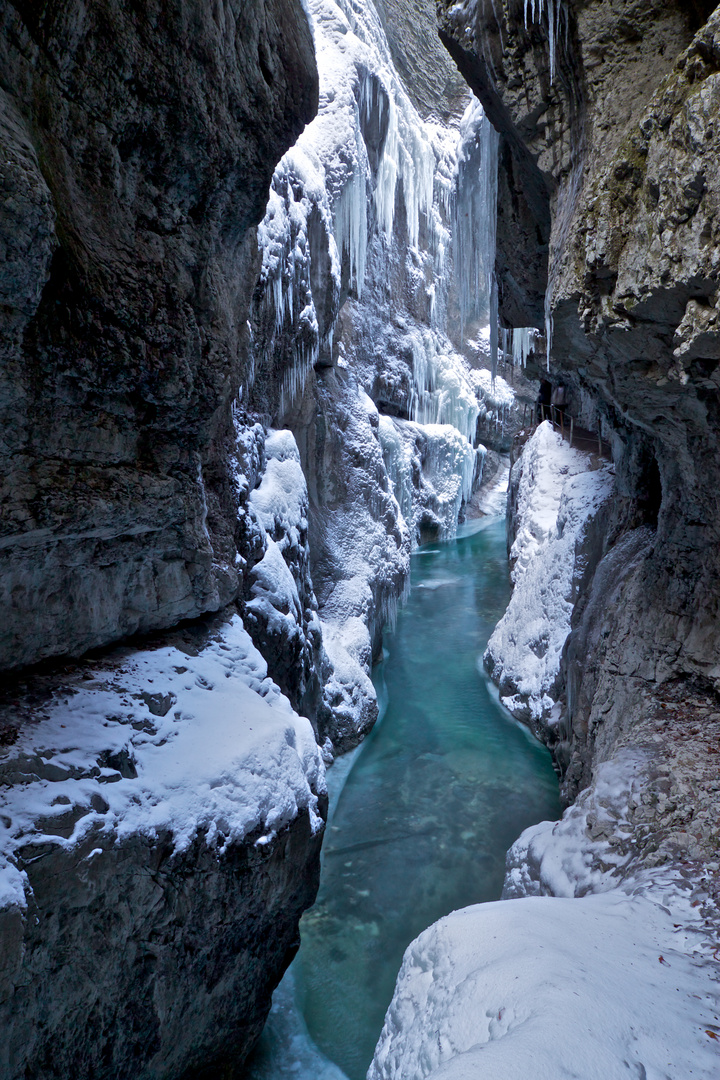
578	437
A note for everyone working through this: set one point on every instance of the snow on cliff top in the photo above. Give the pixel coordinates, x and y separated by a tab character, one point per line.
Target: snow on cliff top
228	759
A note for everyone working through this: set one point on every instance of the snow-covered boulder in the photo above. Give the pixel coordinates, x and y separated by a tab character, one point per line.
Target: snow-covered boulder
160	823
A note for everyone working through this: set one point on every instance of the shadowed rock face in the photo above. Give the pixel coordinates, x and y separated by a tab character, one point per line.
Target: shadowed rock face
625	143
138	143
164	964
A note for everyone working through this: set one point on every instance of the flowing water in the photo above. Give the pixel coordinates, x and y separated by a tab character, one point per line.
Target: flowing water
436	795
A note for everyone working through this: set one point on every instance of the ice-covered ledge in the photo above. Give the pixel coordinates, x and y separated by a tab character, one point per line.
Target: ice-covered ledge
560	491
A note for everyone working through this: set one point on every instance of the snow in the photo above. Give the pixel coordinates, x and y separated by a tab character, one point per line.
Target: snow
602	988
280	500
559	495
228	759
580	854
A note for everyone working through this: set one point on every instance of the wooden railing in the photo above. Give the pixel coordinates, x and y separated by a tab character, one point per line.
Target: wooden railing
582	438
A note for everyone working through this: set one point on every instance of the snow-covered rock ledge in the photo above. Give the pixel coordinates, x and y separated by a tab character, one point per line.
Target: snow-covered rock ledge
558	493
600	988
160	825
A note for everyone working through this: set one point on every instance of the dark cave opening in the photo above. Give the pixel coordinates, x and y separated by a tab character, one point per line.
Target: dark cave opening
650	499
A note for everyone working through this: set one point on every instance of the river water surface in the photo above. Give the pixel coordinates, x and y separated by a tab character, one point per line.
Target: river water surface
433	799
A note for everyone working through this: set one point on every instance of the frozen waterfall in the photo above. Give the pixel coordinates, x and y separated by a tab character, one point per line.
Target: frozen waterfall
474	225
372	189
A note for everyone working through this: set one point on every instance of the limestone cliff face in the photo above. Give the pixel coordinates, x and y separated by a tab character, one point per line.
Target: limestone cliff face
623	142
148	966
138	144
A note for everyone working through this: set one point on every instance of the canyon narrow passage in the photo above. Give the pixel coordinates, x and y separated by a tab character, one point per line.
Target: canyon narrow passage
439	791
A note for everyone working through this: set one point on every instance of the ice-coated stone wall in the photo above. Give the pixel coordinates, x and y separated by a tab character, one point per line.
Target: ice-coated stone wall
357	337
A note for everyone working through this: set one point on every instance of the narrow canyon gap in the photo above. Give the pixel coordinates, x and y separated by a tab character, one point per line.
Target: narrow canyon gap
278	285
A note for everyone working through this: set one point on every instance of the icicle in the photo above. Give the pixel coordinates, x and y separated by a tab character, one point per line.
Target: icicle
475	215
493	327
407	156
549	327
351	224
555	10
524	340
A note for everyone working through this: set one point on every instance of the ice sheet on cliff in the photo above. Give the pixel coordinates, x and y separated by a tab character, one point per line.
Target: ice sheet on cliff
161	742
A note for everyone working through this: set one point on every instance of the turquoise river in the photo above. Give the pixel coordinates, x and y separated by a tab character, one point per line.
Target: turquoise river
421	817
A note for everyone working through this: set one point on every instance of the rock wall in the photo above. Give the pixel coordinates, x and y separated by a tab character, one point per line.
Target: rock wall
138	146
174	959
623	138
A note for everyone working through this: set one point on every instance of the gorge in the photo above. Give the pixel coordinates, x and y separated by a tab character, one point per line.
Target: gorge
277	279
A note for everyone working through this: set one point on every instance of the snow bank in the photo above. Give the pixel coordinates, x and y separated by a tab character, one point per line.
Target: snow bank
159	742
603	988
559	494
591	845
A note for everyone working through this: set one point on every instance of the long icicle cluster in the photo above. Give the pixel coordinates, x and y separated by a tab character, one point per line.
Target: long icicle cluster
534	11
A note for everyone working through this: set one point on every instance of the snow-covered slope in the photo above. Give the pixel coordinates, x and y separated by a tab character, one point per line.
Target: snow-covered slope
603	988
558	497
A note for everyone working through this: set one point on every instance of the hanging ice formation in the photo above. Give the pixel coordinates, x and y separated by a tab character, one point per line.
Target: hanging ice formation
475	217
446	462
517	345
297	220
442	391
534	12
366	144
338	191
